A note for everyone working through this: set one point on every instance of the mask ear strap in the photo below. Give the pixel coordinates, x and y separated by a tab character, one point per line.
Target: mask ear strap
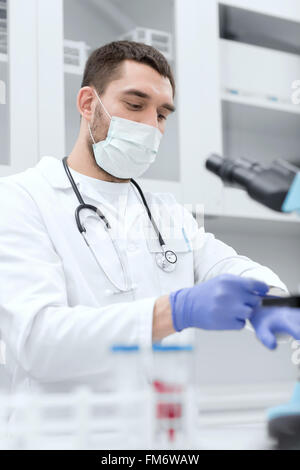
102	104
91	133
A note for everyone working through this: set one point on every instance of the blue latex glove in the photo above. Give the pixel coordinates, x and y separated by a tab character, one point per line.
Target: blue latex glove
269	321
222	303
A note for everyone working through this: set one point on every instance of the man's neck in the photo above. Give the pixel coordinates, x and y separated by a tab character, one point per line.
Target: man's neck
82	160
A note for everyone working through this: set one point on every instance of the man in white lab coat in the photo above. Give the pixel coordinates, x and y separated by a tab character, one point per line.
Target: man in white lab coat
66	296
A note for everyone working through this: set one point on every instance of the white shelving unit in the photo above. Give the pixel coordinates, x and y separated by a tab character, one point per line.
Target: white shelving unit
234	98
259	102
258	64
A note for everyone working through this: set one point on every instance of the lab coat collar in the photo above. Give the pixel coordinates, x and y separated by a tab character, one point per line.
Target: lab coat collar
52	169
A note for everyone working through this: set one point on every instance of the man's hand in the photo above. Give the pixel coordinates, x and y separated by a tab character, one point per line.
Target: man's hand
222	303
162	319
270	321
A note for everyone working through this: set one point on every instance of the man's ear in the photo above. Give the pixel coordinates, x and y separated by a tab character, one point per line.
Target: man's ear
86	102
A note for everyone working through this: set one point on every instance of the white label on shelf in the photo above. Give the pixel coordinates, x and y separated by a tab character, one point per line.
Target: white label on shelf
2	92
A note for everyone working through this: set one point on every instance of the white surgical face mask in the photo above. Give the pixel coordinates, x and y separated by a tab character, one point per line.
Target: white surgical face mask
129	148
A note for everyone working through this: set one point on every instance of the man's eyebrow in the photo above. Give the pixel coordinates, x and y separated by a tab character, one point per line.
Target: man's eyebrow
169	107
134	92
139	93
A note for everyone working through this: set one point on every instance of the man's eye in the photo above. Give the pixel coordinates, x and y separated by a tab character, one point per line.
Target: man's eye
134	106
161	117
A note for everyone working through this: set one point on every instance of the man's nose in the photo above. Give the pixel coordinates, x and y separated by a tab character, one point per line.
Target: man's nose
151	119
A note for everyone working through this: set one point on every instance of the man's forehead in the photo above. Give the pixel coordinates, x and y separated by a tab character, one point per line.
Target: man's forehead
138	76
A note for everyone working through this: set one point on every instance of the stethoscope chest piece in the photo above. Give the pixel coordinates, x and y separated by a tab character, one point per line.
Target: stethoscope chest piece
166	260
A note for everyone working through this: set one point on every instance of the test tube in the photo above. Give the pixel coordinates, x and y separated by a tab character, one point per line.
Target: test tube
126	363
171	387
130	399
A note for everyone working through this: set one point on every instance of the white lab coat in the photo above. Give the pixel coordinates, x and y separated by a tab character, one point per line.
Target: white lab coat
58	314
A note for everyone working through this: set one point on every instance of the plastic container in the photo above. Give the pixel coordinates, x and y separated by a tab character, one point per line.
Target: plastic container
127	367
131	397
173	403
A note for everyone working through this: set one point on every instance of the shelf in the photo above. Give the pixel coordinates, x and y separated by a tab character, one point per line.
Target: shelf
287	10
68	68
252	27
265	75
260	102
75	56
282	225
259	133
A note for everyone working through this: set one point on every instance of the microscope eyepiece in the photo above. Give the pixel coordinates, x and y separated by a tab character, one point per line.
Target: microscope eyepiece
267	185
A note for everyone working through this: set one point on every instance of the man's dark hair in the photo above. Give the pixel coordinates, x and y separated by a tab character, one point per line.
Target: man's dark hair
103	65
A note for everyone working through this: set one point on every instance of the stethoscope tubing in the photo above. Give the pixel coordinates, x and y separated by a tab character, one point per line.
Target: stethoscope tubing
167	256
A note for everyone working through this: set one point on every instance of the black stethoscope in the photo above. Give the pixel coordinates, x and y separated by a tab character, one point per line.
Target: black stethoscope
166	260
